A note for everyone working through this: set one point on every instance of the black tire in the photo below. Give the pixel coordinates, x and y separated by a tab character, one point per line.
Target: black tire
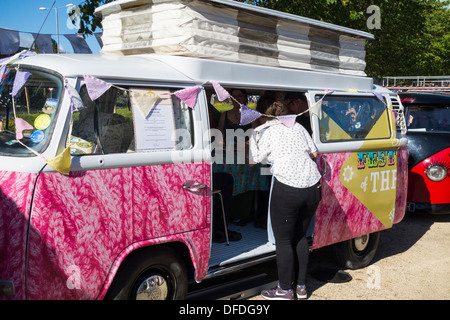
160	271
356	253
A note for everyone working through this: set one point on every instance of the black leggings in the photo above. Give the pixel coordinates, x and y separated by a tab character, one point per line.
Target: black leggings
291	210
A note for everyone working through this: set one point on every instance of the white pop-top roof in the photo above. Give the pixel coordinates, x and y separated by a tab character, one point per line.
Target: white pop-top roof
121	4
189	70
227	30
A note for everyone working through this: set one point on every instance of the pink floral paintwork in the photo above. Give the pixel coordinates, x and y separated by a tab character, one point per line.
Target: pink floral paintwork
16	189
341	216
402	184
85	224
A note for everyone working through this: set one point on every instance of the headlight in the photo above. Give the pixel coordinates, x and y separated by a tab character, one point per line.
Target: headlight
436	172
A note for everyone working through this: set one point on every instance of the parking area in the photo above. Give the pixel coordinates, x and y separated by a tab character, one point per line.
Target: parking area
412	263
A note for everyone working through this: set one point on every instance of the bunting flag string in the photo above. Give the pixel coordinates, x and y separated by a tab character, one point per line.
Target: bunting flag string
95	87
19	81
316	109
76	104
21	125
61	162
389	107
18	56
145	100
288	120
189	95
378	95
2	73
221	93
248	115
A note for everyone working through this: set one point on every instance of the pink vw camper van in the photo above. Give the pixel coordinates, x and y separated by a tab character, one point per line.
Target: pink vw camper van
106	164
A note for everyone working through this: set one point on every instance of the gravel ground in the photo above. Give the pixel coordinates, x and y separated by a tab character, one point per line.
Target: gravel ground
412	263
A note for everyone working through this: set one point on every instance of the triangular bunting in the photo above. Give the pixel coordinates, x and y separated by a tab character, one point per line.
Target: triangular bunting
2	73
221	93
21	125
61	162
76	104
144	100
19	81
248	115
316	109
288	120
18	56
26	53
188	96
378	95
95	87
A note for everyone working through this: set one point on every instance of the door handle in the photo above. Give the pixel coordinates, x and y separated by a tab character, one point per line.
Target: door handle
194	186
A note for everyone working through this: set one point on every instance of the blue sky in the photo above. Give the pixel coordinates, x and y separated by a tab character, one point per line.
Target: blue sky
25	16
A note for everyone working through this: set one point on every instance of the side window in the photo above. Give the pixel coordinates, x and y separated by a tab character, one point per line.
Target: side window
36	105
353	118
123	121
104	126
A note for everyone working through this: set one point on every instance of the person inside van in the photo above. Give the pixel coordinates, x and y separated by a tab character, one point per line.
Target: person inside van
247	179
294	199
231	119
296	103
223	182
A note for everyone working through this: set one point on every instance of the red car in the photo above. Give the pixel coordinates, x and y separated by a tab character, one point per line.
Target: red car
428	133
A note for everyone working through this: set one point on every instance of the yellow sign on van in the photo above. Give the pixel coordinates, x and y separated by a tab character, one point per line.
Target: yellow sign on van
371	176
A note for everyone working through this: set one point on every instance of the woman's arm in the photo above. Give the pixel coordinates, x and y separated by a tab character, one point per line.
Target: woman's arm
259	147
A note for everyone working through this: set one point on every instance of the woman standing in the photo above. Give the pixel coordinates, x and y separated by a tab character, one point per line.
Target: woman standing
295	196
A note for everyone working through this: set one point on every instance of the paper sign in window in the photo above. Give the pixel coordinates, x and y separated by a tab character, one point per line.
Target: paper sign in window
155	130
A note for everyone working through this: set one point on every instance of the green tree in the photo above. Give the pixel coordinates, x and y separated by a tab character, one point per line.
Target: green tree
89	23
414	38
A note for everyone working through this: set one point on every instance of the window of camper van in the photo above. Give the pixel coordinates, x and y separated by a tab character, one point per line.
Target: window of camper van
35	107
121	121
351	118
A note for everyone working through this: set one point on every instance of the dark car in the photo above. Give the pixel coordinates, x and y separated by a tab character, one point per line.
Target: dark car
428	133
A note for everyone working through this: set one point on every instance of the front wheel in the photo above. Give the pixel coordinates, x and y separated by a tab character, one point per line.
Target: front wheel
155	274
358	252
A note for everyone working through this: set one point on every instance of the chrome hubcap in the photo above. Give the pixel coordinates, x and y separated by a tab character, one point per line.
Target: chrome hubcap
361	242
152	288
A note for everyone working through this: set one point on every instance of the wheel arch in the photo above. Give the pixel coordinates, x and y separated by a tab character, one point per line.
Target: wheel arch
178	247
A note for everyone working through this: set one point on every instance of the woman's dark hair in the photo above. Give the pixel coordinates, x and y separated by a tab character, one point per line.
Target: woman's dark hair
264	102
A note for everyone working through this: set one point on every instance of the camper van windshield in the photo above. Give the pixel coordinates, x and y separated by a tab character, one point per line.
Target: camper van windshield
352	118
27	121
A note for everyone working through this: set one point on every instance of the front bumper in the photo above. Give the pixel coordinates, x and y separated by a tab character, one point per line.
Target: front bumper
417	207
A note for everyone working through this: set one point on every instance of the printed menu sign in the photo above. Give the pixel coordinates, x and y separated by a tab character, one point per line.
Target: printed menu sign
154	130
